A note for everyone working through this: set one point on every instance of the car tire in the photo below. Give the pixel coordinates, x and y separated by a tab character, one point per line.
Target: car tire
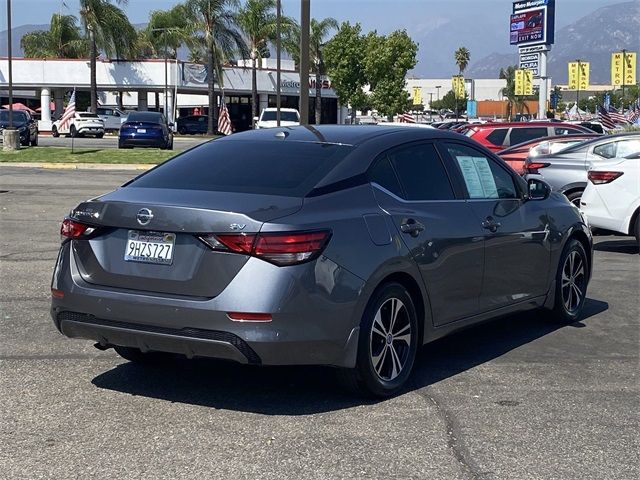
54	132
571	283
637	231
387	344
99	135
574	197
34	142
182	131
135	355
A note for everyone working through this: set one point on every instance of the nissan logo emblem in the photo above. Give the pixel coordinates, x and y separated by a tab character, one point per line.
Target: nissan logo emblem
144	216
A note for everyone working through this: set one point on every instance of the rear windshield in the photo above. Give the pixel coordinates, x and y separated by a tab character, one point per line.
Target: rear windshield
270	115
150	117
17	116
289	169
87	115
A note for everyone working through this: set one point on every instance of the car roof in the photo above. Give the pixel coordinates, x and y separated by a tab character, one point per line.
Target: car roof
571	136
520	124
352	135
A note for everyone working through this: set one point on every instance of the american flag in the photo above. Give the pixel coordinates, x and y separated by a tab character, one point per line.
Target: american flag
68	112
605	118
224	121
633	114
406	118
616	116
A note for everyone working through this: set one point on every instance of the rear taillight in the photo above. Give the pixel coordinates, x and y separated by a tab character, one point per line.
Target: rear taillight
74	230
281	248
533	167
598	178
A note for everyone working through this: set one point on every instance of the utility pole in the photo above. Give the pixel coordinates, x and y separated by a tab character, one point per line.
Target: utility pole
305	20
624	73
578	90
10	135
278	55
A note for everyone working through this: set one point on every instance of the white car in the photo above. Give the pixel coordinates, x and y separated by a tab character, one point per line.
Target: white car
612	198
82	123
289	117
112	117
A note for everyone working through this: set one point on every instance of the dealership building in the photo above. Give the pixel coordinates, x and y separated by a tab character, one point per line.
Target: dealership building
43	84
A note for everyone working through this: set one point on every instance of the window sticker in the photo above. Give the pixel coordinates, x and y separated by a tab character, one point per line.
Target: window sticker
478	177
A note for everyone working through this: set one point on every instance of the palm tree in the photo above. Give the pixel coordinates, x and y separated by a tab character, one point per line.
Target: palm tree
509	91
462	57
258	22
109	30
215	22
318	32
62	40
167	30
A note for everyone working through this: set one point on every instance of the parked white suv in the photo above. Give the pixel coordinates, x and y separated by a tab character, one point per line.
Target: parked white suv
82	123
112	117
289	117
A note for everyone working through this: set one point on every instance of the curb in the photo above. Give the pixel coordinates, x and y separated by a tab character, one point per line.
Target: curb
79	166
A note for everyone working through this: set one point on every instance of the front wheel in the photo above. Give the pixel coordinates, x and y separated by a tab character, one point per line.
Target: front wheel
54	132
571	283
99	135
34	141
387	344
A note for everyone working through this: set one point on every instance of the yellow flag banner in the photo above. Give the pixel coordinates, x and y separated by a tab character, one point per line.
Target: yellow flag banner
457	85
579	75
524	82
623	68
417	95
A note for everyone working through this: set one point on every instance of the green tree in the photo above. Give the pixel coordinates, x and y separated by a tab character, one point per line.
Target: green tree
343	57
168	30
63	40
110	31
215	27
462	57
449	102
386	63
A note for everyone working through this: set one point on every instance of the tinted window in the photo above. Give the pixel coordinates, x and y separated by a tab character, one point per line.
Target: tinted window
421	173
567	131
151	117
270	116
621	148
483	177
275	168
497	136
18	116
519	135
382	173
87	115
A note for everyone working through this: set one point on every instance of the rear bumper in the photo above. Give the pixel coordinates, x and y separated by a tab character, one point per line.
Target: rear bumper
311	325
142	142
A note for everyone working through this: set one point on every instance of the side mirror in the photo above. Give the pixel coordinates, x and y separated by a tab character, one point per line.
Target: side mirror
538	189
255	119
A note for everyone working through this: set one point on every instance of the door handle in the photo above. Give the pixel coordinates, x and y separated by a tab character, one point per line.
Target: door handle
411	227
491	224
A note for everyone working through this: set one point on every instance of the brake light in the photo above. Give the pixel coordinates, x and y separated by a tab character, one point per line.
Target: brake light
533	167
279	248
73	229
249	317
599	178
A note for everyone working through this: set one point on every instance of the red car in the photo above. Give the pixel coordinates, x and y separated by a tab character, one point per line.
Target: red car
515	156
498	136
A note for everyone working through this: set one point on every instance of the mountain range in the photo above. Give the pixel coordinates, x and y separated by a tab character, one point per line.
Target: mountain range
591	38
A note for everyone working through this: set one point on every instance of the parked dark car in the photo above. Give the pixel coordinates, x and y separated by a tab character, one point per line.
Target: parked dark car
349	246
146	129
192	124
24	122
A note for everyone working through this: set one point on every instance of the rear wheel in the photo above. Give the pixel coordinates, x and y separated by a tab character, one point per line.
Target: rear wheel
34	141
571	283
99	135
182	130
387	344
637	231
54	132
574	197
135	355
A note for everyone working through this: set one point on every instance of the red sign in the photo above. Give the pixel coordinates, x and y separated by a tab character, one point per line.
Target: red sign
527	27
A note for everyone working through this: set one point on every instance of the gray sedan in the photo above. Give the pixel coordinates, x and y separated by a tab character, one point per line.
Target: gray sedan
349	246
566	171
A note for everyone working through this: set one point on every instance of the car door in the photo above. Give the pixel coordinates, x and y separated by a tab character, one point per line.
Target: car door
437	226
516	231
201	125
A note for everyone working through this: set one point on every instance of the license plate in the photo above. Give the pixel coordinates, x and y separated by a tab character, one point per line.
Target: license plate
149	247
141	130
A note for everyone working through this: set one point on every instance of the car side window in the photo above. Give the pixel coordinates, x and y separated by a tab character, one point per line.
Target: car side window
483	177
382	173
202	119
421	173
607	150
519	135
497	136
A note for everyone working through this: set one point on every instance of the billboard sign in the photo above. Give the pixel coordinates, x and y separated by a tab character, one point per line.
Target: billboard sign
532	22
623	68
578	75
530	61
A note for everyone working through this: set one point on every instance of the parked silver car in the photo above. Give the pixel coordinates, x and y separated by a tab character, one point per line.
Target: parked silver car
348	246
566	171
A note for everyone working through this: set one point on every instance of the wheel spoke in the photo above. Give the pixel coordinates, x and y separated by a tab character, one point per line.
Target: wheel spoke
565	279
378	360
407	327
377	321
567	300
396	365
403	338
396	306
577	293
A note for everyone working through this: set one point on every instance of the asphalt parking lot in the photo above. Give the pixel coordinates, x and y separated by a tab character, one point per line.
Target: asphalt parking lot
518	398
179	143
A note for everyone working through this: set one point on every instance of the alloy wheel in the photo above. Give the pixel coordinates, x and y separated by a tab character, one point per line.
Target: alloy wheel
573	281
390	339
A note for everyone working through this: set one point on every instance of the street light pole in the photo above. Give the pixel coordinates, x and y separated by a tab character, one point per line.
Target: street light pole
578	89
278	55
9	55
438	91
624	73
